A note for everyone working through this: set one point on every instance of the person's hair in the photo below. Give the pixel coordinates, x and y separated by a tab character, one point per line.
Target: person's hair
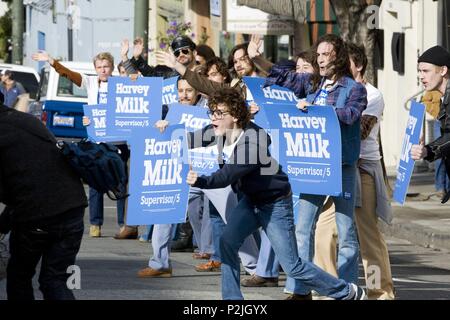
104	56
9	74
308	56
341	63
120	65
244	47
358	55
235	104
205	51
221	68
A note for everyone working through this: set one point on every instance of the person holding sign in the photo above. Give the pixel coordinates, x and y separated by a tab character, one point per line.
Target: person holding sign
434	73
97	91
246	165
331	84
374	200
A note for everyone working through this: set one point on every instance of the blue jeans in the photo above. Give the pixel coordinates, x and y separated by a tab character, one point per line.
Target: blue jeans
310	207
96	209
277	221
96	198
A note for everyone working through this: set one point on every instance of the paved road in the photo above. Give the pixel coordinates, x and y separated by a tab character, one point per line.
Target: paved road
108	271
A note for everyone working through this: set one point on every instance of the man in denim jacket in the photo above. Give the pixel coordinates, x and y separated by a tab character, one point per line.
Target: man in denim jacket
331	84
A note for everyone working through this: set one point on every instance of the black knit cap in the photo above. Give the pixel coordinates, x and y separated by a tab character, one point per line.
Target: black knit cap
436	55
182	42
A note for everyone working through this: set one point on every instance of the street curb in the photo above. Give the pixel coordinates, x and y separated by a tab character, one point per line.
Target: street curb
416	234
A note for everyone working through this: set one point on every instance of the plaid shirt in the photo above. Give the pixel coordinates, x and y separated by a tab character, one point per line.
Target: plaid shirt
300	83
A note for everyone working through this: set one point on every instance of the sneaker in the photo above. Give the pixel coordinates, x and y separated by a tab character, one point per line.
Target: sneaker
127	232
299	297
257	281
95	231
356	293
154	273
210	266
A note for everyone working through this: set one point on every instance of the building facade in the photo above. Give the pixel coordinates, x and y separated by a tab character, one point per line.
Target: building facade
92	27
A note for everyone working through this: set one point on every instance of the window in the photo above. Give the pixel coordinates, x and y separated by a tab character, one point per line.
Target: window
67	88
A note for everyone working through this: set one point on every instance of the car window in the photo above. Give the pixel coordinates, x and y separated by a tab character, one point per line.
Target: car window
67	88
28	81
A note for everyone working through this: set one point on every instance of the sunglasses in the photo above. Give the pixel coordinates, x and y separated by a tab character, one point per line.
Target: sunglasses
183	51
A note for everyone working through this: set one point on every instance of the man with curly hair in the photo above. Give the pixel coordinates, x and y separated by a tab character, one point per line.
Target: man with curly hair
331	84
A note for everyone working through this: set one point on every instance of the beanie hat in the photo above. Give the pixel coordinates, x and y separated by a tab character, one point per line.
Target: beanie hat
436	55
182	42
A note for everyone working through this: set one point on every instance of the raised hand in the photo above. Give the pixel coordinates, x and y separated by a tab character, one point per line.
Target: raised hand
254	46
125	47
166	58
42	56
138	48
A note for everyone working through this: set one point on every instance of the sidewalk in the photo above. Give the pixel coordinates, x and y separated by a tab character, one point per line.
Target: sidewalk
423	220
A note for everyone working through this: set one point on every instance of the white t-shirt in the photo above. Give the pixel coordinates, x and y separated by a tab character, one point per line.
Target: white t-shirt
228	149
97	94
370	149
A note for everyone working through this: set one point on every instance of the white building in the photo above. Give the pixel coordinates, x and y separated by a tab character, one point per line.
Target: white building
97	26
421	24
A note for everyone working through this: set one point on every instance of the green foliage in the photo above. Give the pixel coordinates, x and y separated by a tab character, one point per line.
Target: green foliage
175	29
5	32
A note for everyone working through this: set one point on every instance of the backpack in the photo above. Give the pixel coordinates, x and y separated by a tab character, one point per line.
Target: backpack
99	165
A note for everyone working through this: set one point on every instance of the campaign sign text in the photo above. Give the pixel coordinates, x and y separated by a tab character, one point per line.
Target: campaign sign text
309	148
134	104
203	160
157	187
269	95
406	165
97	130
170	91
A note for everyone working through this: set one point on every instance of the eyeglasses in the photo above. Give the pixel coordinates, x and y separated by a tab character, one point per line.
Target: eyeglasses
183	51
218	114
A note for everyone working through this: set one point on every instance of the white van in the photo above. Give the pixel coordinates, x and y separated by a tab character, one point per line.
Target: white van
27	76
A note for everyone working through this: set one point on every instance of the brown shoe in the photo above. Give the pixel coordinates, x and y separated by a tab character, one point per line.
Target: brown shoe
154	273
201	256
257	281
127	232
295	296
210	266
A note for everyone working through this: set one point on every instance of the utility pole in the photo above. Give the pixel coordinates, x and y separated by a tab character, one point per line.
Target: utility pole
17	31
141	8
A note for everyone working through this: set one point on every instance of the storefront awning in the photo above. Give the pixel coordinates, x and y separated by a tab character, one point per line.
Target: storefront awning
289	8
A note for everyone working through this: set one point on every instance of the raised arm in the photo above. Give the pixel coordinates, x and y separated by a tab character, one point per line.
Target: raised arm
73	76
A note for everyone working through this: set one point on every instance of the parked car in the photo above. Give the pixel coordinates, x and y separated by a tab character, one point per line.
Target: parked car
27	76
60	102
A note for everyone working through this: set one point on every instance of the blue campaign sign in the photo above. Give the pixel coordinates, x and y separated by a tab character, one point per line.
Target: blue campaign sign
406	165
203	160
269	95
192	117
309	147
134	104
97	130
170	91
157	187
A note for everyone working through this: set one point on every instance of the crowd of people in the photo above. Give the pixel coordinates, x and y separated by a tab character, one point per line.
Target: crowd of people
319	255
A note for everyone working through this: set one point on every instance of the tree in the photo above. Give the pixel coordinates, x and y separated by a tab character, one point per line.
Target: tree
6	33
358	25
356	22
